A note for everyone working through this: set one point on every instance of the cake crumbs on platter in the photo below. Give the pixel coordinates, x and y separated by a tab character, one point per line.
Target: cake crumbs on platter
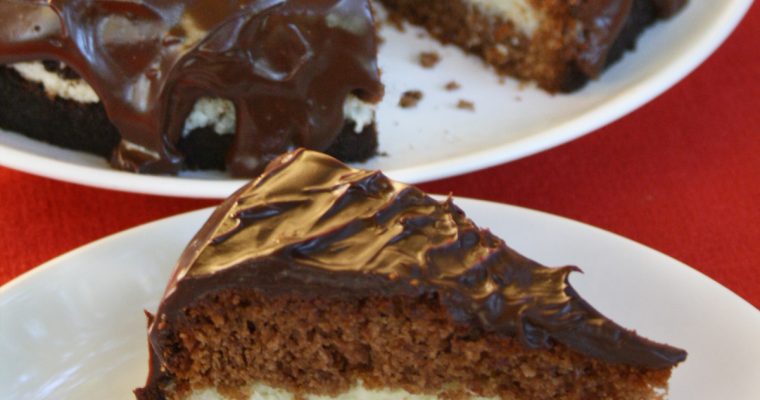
466	105
410	98
429	59
453	85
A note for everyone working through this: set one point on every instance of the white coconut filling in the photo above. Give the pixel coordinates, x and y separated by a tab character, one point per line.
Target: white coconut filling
361	112
519	12
217	113
358	392
55	86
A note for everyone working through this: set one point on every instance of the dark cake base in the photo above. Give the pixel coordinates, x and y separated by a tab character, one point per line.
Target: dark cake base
26	108
549	62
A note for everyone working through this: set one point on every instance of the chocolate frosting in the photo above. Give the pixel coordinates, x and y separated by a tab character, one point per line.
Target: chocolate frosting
311	226
601	24
287	65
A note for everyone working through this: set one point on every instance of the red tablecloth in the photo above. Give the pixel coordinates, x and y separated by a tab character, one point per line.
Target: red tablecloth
681	175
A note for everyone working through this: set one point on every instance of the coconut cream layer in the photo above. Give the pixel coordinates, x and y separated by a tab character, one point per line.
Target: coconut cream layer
217	113
358	392
522	15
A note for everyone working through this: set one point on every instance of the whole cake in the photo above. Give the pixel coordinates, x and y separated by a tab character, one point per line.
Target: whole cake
320	281
161	85
560	44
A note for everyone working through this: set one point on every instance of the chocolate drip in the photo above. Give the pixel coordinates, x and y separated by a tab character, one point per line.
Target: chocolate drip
311	226
667	8
287	65
602	21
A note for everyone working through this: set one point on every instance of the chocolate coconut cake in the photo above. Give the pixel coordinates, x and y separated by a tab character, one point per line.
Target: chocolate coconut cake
158	86
559	44
320	281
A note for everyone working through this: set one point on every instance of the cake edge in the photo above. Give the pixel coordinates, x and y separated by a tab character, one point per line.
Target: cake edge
31	108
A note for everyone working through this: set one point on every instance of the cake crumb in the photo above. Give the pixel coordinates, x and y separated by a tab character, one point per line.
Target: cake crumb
453	85
410	98
527	370
466	105
396	20
429	59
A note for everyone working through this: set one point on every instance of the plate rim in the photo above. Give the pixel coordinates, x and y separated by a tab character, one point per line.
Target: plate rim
626	101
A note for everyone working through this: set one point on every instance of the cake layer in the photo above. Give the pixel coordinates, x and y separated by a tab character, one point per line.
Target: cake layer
316	276
320	348
44	107
216	113
358	392
559	44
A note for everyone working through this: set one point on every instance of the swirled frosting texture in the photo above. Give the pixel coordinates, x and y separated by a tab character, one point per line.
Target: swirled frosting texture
287	65
311	226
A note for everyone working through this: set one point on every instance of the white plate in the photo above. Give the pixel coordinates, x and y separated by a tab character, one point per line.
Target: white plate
436	139
74	328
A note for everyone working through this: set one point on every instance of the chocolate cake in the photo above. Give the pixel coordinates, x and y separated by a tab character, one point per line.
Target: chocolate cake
559	44
158	86
319	281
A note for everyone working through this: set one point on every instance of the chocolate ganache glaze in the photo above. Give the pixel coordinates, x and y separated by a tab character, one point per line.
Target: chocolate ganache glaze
287	65
311	226
602	21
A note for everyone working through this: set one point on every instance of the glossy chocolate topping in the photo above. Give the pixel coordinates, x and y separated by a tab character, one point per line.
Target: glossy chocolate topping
601	24
311	226
287	65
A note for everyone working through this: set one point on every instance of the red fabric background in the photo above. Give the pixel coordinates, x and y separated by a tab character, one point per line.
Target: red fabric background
681	175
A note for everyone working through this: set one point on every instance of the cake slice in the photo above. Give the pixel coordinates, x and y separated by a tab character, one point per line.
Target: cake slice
559	44
318	281
157	85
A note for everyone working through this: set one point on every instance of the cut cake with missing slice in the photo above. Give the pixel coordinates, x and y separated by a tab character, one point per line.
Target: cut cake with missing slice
159	86
320	281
